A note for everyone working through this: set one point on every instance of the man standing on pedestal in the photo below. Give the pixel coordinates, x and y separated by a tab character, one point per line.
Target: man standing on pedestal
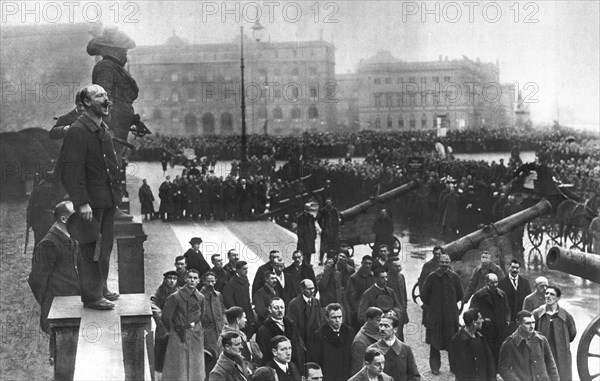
89	173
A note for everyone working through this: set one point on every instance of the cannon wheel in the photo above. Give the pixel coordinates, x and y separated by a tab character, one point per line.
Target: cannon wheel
535	233
583	351
415	293
554	231
576	236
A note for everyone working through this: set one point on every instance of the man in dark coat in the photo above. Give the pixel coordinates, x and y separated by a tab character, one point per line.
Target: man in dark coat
468	353
298	271
305	311
258	278
328	218
283	282
440	293
366	336
89	172
146	200
383	228
397	283
329	283
281	359
53	270
221	274
63	122
157	302
244	199
231	365
478	280
358	283
516	289
237	293
330	345
429	267
277	324
379	295
262	297
232	257
194	257
493	306
307	233
165	209
111	74
400	362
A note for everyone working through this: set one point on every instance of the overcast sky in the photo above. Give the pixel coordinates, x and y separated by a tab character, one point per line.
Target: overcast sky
552	45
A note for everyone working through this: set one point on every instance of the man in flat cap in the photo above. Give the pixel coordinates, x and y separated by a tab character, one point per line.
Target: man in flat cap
157	301
194	257
89	172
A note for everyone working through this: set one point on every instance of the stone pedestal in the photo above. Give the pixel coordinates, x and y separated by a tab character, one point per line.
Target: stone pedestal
130	238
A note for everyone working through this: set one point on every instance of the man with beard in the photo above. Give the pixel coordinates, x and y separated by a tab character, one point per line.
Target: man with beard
383	228
307	233
232	257
331	345
213	319
400	362
278	324
194	257
181	269
440	293
367	335
182	317
328	218
157	301
493	305
526	354
469	355
89	173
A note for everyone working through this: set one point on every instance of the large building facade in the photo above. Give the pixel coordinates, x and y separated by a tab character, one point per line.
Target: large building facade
196	89
396	95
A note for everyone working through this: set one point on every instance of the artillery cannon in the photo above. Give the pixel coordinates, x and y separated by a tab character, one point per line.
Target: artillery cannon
357	221
465	251
586	266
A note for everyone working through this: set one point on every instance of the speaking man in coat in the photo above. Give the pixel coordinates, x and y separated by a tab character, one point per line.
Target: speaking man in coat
53	270
493	306
516	288
89	172
440	293
330	345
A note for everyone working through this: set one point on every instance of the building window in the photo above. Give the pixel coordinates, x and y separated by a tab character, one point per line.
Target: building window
388	80
313	93
226	123
378	100
295	93
436	79
277	113
388	100
446	79
296	113
423	121
400	122
295	53
191	93
313	113
412	122
389	121
412	99
377	81
411	80
377	123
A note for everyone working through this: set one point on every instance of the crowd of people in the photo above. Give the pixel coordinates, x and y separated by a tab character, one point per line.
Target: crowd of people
347	323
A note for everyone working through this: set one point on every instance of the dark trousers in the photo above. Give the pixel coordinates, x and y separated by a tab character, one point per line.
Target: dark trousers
93	274
435	359
160	350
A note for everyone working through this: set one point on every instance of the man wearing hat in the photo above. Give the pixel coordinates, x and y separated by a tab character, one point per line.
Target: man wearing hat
110	73
89	173
157	301
307	233
53	270
379	295
194	257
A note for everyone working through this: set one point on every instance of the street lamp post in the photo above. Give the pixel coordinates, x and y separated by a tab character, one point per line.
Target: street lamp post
257	31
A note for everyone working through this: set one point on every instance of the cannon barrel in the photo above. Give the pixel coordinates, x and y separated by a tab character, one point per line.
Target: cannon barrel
574	262
471	241
354	211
